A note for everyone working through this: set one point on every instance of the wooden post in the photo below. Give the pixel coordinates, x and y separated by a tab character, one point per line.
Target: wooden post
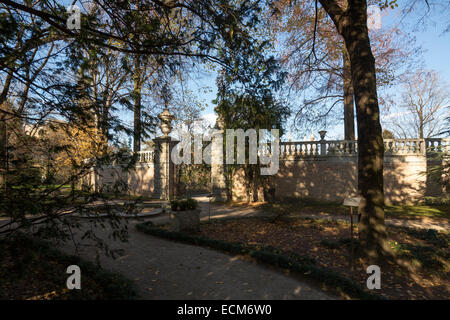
351	237
351	202
351	223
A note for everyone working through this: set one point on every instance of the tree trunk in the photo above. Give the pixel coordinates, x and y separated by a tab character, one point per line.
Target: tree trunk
351	23
137	105
349	113
3	129
372	227
3	153
105	124
421	124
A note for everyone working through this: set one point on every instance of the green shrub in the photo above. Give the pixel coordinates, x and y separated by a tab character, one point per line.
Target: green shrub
435	200
183	205
174	205
191	204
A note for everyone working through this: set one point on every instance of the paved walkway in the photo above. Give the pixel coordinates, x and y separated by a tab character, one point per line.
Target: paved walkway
165	269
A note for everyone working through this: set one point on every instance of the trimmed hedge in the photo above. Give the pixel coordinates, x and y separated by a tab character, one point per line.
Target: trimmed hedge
183	205
267	254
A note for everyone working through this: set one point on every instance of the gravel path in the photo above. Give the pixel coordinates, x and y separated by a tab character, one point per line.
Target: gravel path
165	269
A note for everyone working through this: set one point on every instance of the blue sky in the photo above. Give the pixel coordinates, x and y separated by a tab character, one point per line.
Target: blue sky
431	38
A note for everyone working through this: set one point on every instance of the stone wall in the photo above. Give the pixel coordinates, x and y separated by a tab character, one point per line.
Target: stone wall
333	178
153	174
139	180
322	170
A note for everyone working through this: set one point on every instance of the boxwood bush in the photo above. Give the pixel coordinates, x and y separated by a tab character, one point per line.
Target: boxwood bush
184	204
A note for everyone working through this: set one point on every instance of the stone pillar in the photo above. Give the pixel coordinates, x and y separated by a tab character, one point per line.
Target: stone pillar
423	147
323	145
164	167
218	179
92	180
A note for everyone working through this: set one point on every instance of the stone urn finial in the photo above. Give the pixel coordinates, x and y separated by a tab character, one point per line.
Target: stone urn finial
166	121
322	134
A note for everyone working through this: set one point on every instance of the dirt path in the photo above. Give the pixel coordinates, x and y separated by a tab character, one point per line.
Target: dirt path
163	269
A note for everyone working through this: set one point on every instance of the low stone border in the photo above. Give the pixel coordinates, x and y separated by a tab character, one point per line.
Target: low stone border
265	254
185	221
121	215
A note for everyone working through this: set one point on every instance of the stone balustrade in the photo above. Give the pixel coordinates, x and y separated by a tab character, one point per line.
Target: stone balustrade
438	145
340	147
350	147
404	146
300	148
345	147
145	156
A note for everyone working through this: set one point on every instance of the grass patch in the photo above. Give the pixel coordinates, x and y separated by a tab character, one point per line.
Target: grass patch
430	253
287	205
431	211
33	270
299	206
